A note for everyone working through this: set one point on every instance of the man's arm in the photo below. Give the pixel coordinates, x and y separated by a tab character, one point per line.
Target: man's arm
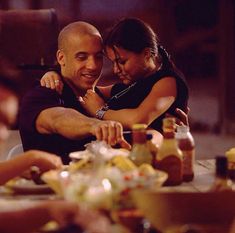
64	121
74	125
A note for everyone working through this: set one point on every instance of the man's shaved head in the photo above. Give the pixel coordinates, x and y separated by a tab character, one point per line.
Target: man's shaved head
76	29
80	55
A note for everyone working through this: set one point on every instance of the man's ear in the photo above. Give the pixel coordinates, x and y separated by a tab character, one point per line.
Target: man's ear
60	57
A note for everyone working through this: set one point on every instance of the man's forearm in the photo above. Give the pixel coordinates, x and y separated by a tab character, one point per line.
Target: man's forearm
67	122
74	125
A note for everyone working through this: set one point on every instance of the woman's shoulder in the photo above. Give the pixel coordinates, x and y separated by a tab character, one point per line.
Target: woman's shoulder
168	73
174	73
155	77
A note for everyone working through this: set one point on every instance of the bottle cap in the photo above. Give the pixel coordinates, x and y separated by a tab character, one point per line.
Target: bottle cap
149	136
139	126
169	124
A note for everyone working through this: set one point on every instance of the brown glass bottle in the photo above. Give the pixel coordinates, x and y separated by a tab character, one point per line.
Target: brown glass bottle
187	146
222	181
140	153
169	156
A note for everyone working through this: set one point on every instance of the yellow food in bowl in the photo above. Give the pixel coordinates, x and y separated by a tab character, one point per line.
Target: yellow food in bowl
52	179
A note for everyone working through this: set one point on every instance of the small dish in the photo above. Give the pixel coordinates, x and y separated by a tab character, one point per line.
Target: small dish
23	186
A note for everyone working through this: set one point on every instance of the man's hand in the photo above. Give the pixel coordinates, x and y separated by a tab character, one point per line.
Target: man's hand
111	132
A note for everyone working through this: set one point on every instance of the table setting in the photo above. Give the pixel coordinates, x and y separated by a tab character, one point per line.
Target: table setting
133	197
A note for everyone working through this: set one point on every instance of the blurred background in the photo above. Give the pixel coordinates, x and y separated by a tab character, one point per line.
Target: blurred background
199	35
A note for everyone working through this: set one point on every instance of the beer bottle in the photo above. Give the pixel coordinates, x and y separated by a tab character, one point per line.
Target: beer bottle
222	181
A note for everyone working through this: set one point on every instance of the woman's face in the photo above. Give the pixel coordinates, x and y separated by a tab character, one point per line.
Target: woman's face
129	66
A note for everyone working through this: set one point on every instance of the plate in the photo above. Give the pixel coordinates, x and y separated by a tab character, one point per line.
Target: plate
23	186
98	147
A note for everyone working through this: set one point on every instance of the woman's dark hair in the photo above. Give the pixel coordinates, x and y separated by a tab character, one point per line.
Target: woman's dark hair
134	35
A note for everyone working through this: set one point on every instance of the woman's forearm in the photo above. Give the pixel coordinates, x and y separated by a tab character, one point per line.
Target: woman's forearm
127	117
14	167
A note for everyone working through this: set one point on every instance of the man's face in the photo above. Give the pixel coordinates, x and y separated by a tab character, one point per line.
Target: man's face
8	111
81	61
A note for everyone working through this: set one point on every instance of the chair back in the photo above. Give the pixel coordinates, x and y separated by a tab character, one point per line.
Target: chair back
28	38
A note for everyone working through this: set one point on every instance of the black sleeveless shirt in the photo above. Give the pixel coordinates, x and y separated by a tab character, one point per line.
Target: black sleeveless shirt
131	96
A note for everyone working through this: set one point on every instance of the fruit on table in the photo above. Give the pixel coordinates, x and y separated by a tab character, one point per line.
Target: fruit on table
146	169
123	163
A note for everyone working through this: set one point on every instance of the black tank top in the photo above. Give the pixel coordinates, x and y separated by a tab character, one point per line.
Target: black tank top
131	96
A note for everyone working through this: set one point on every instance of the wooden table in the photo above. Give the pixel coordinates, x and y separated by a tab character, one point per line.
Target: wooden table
204	176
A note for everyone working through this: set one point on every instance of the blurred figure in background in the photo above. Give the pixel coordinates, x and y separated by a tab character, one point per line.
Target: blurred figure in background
8	112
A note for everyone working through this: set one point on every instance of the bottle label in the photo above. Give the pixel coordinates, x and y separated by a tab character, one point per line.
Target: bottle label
231	170
188	161
231	165
140	154
173	166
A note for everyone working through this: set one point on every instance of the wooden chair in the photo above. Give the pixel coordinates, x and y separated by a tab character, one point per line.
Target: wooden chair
28	39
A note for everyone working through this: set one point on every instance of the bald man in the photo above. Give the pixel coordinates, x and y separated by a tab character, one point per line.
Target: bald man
57	123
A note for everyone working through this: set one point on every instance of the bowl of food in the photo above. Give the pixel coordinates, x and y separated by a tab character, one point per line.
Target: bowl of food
172	209
51	178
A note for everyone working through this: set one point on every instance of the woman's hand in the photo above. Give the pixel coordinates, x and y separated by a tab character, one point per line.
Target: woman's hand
53	81
43	160
181	116
23	162
92	102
